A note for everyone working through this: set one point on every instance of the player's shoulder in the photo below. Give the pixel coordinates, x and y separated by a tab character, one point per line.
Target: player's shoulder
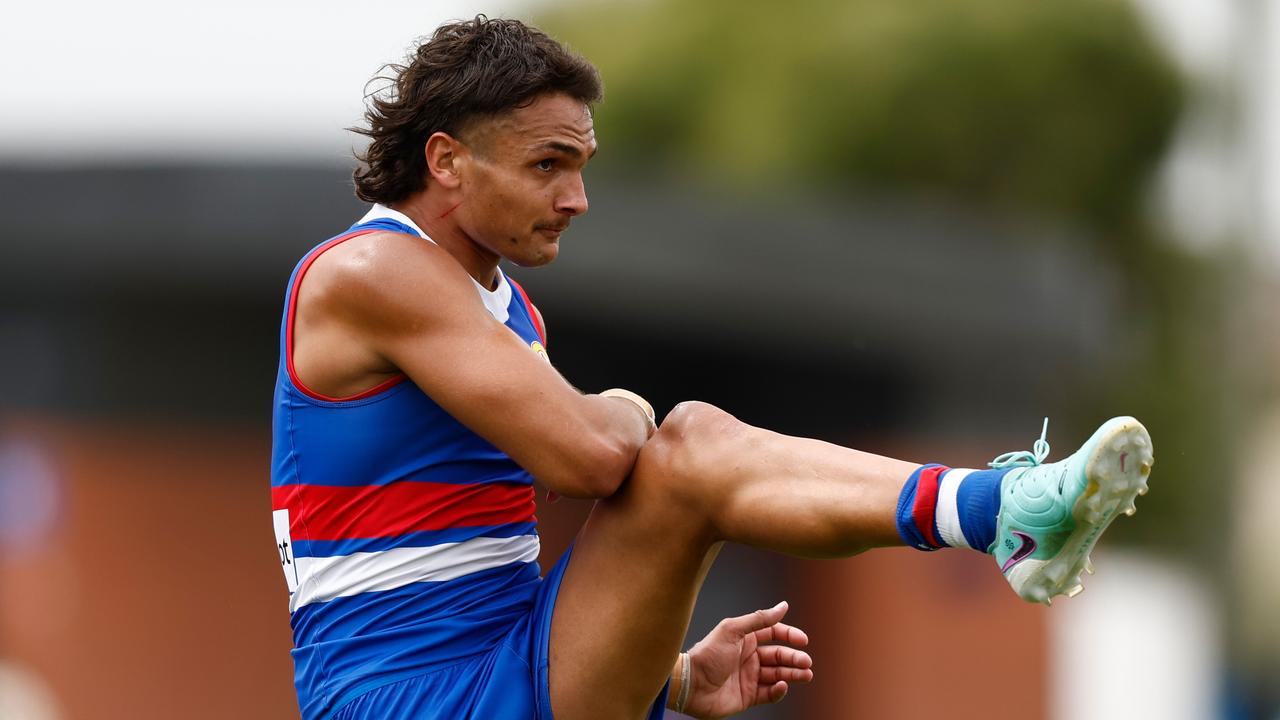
383	259
384	272
380	250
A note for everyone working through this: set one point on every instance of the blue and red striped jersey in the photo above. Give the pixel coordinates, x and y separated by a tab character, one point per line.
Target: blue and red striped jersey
408	542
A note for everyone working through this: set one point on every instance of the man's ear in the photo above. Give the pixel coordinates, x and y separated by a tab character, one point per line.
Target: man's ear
444	153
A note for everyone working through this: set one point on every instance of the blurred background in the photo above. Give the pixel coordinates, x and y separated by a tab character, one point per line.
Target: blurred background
913	228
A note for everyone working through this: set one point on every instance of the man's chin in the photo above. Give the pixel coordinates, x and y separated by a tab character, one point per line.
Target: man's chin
542	255
550	252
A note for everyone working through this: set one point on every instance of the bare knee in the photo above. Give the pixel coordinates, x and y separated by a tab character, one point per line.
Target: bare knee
696	422
692	444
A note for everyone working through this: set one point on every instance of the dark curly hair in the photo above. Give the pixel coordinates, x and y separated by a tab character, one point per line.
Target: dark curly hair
467	70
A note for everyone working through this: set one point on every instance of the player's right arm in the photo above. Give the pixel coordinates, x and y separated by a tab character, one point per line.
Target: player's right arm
406	305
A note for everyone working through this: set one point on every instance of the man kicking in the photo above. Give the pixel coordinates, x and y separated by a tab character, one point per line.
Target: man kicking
415	407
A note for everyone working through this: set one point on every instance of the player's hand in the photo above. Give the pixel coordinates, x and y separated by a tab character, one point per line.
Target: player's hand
746	661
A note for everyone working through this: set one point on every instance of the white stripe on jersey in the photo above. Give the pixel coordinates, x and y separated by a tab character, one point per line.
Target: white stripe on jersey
326	578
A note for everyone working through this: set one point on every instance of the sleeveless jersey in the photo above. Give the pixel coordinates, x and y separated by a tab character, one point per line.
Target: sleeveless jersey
408	542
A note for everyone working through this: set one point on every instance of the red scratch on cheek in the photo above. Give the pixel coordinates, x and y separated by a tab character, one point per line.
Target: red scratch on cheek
446	212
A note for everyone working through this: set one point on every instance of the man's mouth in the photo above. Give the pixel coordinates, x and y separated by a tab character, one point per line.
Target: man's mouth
552	229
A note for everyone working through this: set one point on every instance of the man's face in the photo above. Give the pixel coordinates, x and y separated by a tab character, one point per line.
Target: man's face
522	181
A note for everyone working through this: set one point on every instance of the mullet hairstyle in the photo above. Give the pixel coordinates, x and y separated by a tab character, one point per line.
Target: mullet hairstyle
467	70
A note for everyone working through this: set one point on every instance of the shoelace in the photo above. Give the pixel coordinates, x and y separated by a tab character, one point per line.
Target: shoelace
1022	458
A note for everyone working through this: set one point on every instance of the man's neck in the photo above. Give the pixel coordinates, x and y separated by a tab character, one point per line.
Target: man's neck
435	217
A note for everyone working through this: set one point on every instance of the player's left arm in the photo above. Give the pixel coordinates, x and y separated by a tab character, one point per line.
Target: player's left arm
743	662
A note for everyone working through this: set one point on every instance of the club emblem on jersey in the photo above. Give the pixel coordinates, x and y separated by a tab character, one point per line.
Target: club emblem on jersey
538	348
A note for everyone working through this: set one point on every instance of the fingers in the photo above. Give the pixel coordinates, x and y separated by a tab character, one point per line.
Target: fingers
758	620
782	656
770	675
782	633
770	693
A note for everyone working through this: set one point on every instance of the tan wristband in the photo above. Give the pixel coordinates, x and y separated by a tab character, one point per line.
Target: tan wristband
686	672
640	402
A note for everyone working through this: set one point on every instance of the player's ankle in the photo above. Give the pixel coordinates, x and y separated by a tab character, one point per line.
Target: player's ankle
949	507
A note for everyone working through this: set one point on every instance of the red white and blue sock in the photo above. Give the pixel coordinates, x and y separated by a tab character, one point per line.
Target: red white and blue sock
944	507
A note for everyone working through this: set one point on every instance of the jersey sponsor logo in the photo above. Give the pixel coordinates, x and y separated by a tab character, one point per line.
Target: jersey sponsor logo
540	350
284	546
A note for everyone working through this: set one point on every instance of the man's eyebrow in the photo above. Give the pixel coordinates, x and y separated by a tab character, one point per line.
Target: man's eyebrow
566	148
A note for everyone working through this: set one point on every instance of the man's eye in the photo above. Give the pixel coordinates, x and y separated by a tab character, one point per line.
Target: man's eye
546	165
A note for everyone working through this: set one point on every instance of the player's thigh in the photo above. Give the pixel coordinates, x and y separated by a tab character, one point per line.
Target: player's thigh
628	592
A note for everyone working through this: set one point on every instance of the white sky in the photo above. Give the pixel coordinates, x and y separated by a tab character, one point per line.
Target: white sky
212	80
279	79
1203	31
1222	181
1266	128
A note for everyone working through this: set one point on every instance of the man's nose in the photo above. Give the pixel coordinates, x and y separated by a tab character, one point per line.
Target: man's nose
573	198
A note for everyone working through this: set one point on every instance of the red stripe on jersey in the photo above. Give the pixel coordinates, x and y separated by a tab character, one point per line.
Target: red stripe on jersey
533	312
326	512
292	315
926	504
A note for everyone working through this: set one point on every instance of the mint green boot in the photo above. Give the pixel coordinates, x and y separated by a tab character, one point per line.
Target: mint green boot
1052	515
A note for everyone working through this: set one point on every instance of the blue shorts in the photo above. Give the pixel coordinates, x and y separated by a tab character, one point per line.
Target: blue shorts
508	682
